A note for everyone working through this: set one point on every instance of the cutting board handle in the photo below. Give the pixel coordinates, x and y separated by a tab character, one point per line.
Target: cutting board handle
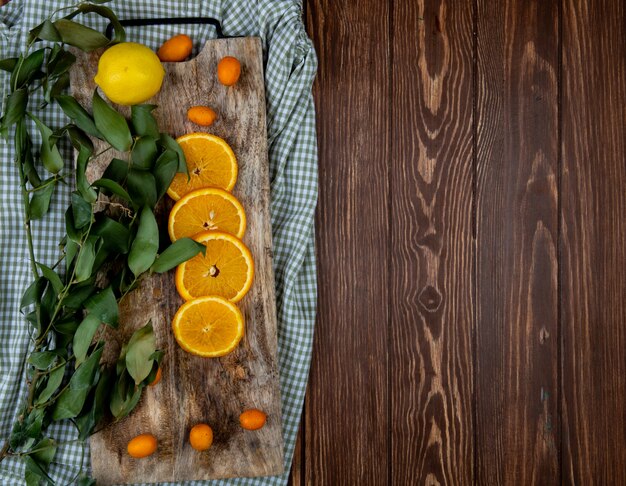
171	21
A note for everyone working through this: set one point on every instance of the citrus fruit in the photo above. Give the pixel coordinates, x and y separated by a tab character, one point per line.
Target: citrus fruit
210	162
129	73
175	49
252	419
228	70
157	378
201	437
209	326
142	446
226	269
201	115
206	209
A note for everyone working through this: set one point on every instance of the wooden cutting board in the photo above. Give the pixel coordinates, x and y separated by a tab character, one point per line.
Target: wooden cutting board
193	389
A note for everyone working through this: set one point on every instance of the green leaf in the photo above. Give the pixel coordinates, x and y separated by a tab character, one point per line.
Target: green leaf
23	149
52	277
15	107
55	378
156	358
112	187
120	35
81	36
157	355
170	143
71	401
140	348
29	169
34	473
88	420
18	434
38	462
60	61
50	155
117	170
8	64
33	293
143	154
48	302
83	337
84	422
24	433
57	135
72	233
80	293
79	138
102	393
178	252
71	249
120	365
114	235
40	201
118	397
102	256
143	122
153	372
142	188
44	31
81	211
86	191
22	140
145	245
78	114
31	479
125	397
104	306
45	451
164	171
28	68
32	318
55	88
33	423
111	124
42	359
86	258
67	324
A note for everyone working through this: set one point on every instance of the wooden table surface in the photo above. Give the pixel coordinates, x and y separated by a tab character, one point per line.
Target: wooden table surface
471	237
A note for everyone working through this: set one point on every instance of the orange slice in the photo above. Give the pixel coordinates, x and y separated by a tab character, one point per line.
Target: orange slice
207	209
210	162
227	269
209	326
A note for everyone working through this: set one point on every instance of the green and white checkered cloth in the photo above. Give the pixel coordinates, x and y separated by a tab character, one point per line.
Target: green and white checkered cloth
290	66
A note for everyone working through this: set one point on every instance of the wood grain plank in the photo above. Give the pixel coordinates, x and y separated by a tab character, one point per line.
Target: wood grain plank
194	389
296	475
347	403
431	244
517	384
593	305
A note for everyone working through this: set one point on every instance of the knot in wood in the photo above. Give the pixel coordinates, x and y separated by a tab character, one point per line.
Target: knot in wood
430	298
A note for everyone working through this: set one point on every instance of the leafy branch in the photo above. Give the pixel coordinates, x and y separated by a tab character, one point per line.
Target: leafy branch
66	305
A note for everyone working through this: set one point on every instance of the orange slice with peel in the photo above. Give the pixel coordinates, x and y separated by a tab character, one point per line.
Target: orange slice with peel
226	269
210	162
209	326
204	210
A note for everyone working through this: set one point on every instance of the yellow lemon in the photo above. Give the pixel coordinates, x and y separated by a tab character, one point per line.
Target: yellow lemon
129	73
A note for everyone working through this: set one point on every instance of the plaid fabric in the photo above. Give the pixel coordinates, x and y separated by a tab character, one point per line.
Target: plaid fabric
290	68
